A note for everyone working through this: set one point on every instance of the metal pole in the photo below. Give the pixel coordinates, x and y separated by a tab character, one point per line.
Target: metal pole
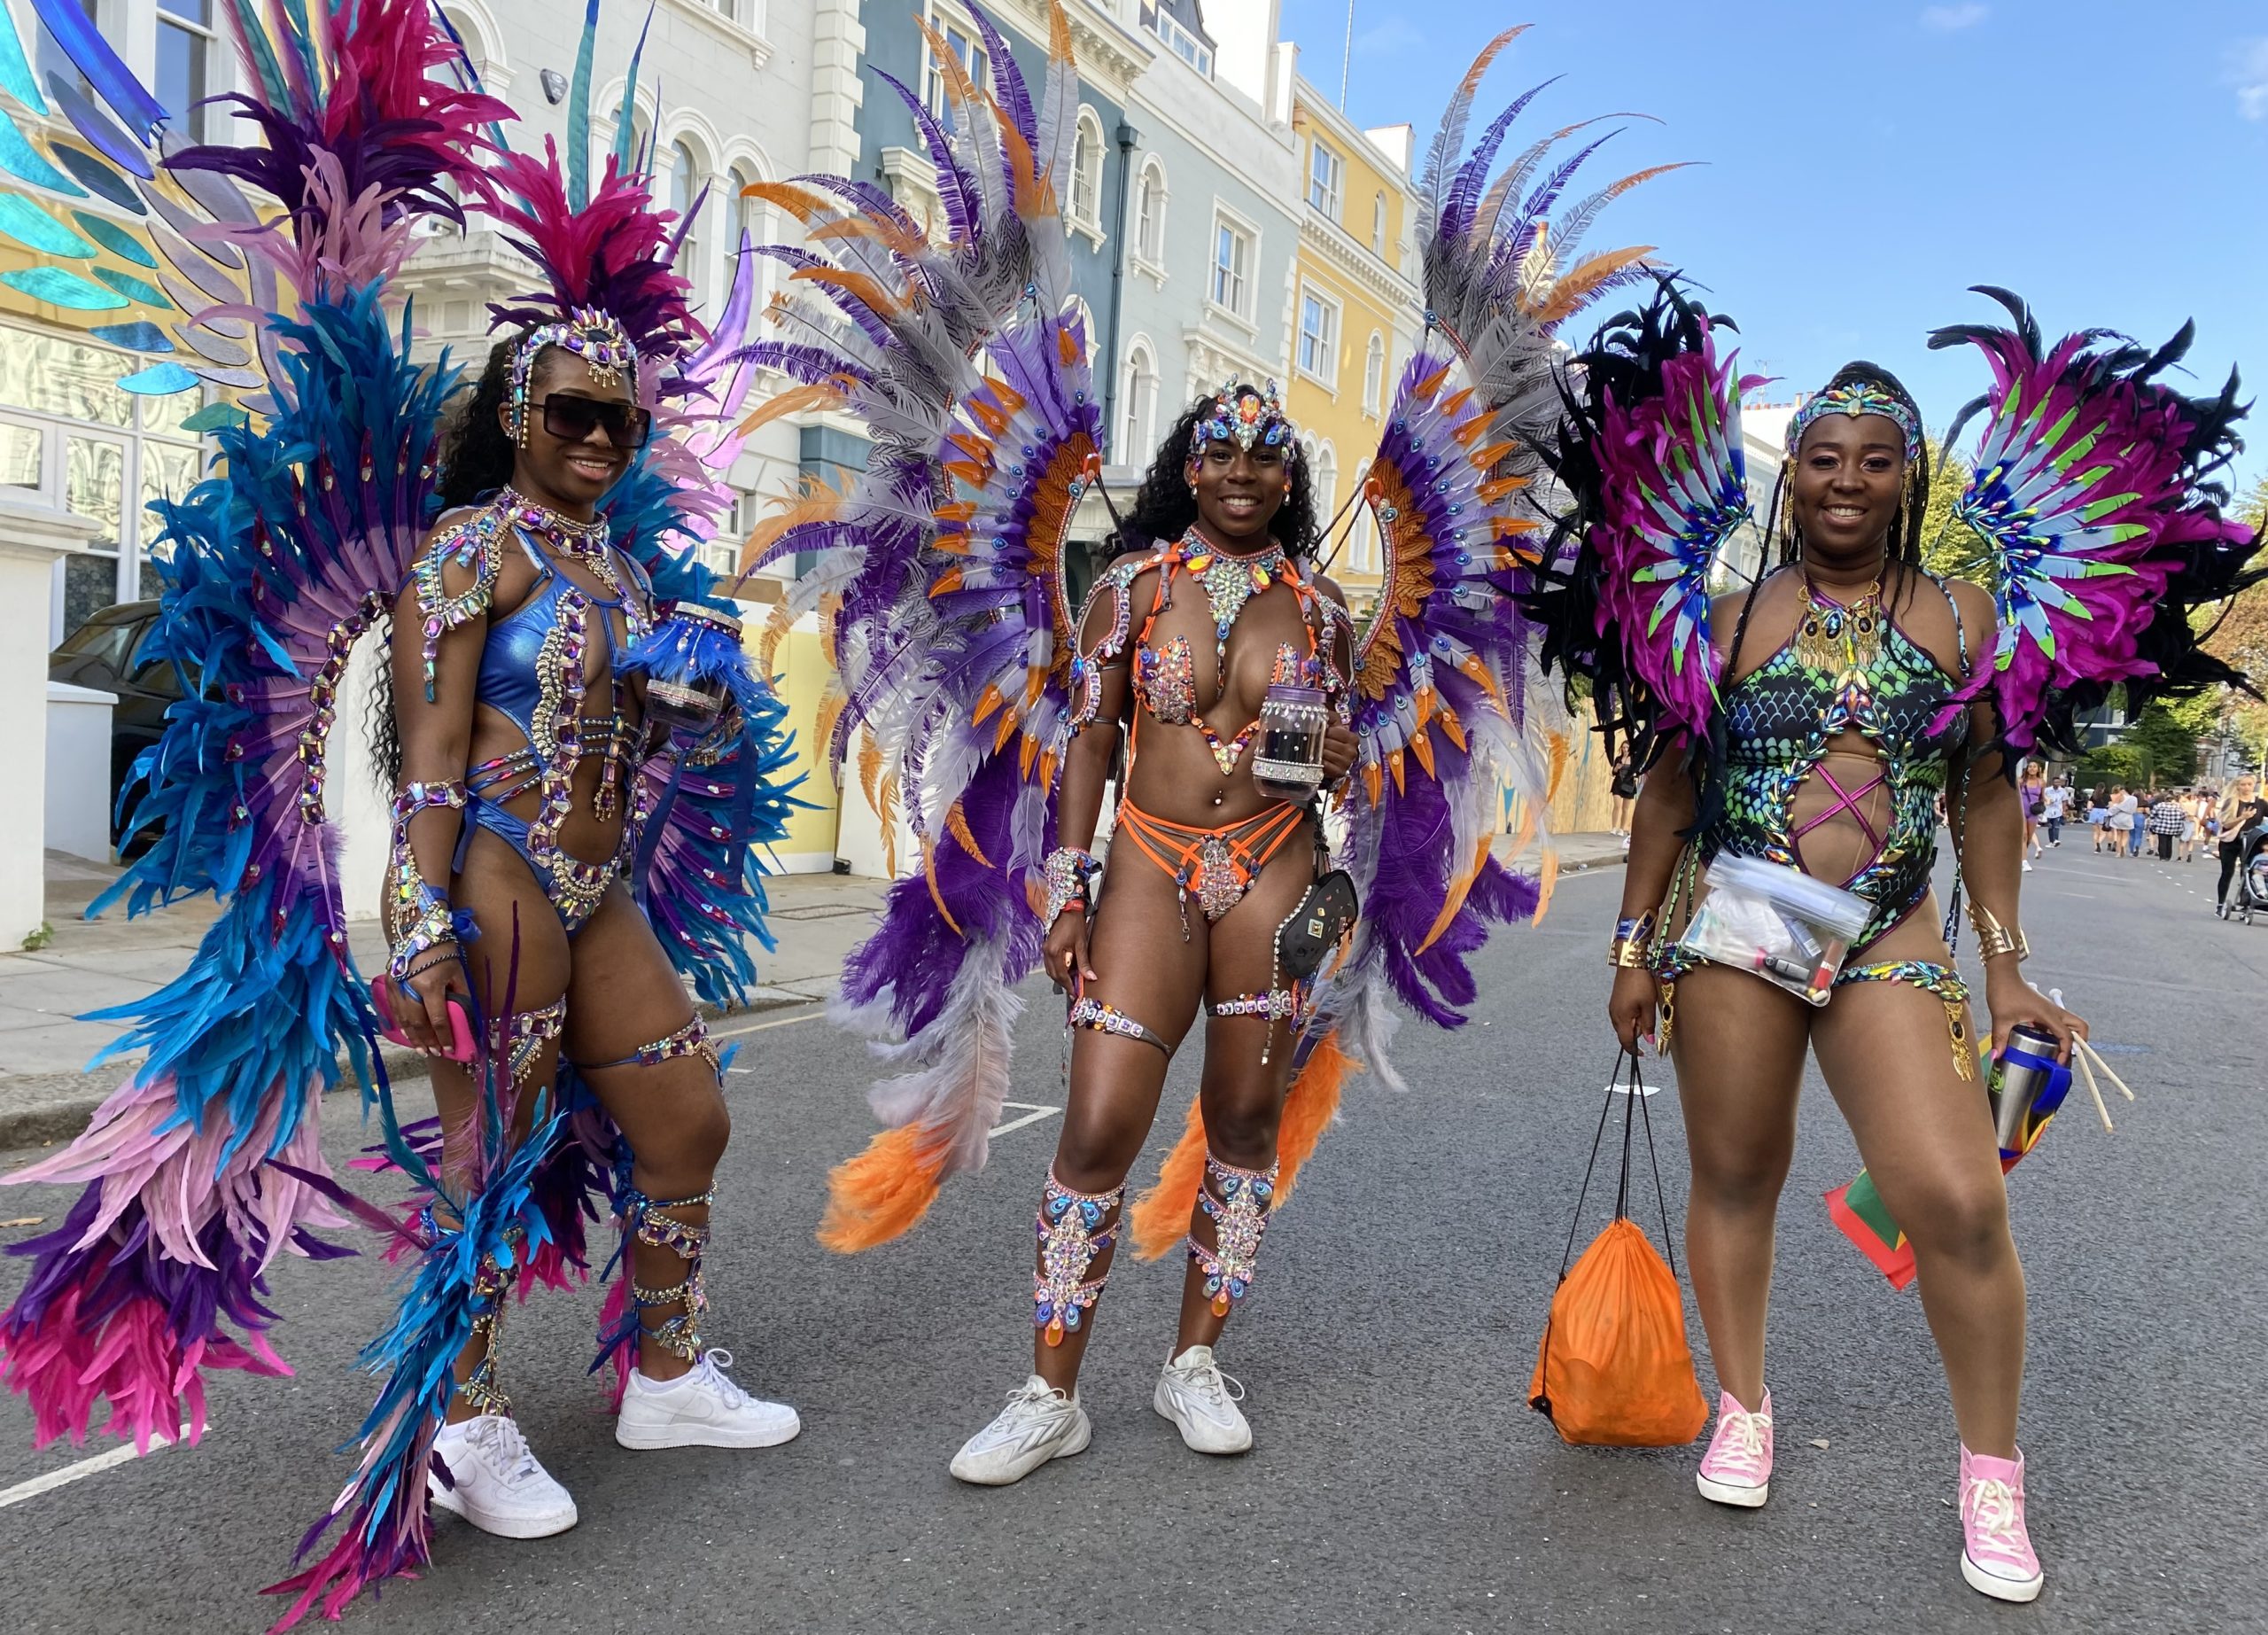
1127	137
1347	57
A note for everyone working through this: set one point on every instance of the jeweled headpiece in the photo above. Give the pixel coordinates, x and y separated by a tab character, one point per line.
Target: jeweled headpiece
1855	398
1245	416
593	336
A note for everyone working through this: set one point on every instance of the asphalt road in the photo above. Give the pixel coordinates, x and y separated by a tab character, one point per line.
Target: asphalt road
1400	1481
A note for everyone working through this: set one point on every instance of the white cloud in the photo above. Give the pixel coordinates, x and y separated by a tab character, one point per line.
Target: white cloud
2248	71
1953	18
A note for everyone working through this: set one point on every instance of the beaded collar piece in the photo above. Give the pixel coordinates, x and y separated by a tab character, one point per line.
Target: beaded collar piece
1856	399
596	337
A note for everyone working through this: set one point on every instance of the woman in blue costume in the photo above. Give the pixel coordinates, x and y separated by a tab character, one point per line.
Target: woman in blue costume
520	741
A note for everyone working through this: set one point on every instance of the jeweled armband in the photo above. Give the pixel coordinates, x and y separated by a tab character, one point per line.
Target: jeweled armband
1994	939
1632	938
418	916
1071	874
477	543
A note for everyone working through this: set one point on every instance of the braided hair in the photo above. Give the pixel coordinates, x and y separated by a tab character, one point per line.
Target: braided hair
1165	505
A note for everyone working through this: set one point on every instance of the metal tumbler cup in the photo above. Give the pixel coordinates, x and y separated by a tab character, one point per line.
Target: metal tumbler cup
1289	765
2025	1075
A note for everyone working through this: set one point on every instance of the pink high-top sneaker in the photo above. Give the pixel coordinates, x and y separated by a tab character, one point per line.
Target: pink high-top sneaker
1996	1554
1737	1467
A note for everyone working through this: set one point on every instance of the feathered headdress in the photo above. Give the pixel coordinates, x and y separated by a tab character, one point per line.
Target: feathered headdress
611	294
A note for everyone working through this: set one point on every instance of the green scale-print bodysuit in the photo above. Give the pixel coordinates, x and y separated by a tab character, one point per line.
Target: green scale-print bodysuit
1780	718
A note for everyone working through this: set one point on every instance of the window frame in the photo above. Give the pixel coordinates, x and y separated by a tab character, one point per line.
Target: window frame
1334	311
1374	362
956	30
1333	190
1377	227
1149	246
1227	222
196	121
688	196
1086	136
1139	414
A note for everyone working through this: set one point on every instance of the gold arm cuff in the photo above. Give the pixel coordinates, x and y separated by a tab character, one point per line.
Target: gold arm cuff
1993	939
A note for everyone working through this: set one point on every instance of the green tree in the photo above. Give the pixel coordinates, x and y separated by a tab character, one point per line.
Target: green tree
2168	749
1950	546
2112	764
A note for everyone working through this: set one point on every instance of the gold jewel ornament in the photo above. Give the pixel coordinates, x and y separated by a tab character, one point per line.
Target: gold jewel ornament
1993	939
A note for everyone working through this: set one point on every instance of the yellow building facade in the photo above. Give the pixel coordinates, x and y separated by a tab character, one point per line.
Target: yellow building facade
1354	314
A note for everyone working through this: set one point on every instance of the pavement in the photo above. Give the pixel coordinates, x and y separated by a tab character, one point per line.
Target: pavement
48	1093
1399	1481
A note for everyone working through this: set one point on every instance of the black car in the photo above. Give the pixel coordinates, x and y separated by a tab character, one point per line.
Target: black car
107	653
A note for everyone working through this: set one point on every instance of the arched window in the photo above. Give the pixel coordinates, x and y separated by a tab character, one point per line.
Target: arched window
684	190
1150	216
1138	406
1362	553
1374	374
751	221
1325	480
1086	171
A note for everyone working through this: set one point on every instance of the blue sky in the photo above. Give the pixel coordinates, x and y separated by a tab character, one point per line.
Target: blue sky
1864	163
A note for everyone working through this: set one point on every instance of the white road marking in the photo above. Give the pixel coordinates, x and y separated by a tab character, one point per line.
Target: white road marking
1036	1113
124	1454
759	1027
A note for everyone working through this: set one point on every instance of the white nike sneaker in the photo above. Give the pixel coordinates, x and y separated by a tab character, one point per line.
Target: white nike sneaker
703	1409
1038	1424
1201	1401
499	1487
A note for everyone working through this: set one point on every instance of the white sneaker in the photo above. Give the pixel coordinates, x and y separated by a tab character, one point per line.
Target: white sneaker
1038	1424
702	1409
2027	865
1201	1401
499	1487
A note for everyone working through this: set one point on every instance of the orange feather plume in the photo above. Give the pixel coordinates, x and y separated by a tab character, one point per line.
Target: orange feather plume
1159	1218
883	1193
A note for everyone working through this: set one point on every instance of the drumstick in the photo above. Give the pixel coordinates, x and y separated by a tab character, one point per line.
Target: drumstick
2109	1071
2095	1090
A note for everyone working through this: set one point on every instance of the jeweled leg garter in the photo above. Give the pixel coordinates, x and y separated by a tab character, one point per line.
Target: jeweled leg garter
692	1040
1072	1237
515	1041
1237	1200
645	1223
1100	1016
1931	978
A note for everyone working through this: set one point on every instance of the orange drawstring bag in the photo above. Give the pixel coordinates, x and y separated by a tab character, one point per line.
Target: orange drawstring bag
1613	1369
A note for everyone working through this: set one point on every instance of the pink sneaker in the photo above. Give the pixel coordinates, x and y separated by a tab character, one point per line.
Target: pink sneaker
1737	1467
1996	1555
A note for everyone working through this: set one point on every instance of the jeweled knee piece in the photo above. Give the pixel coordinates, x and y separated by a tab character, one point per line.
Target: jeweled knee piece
1072	1237
1239	1217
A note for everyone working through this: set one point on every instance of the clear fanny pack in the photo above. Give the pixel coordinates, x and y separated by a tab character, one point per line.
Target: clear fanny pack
1777	921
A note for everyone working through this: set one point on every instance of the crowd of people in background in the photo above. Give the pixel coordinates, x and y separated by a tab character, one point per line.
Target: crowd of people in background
2181	825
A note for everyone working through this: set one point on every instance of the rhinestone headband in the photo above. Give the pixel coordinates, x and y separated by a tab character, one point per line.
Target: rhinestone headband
1856	399
1245	415
593	336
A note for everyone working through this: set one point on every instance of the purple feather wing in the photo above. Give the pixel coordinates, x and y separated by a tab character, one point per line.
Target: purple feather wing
2094	493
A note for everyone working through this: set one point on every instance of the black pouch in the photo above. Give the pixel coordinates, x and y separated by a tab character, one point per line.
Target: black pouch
1311	930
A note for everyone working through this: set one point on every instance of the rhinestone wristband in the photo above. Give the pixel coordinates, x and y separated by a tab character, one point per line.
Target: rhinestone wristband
1071	874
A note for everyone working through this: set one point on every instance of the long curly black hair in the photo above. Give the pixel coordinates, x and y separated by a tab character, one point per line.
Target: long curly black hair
476	453
1165	505
476	461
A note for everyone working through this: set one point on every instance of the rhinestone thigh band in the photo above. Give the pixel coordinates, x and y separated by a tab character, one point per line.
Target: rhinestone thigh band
1100	1016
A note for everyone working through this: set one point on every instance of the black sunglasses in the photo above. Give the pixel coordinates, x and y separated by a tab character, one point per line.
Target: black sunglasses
573	419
